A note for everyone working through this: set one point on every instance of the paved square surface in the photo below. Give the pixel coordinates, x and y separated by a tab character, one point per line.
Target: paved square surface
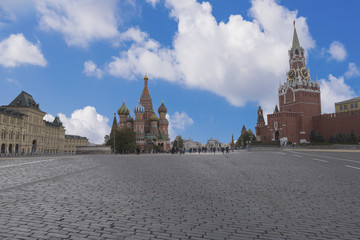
242	195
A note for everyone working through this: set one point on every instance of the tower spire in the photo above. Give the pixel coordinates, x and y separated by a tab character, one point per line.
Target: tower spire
295	43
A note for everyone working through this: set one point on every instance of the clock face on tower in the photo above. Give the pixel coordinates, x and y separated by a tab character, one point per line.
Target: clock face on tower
304	73
291	74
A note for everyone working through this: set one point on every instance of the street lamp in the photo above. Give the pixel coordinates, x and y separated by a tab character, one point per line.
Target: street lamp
114	140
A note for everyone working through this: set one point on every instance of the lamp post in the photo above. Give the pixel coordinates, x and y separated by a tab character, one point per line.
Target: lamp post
114	140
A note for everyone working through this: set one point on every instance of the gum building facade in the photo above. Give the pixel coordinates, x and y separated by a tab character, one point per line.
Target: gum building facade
23	130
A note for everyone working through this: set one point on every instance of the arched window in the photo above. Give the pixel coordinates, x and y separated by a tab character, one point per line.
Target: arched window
2	148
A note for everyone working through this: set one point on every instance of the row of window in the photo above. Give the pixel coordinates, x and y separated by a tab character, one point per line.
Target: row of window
10	149
10	135
352	106
6	120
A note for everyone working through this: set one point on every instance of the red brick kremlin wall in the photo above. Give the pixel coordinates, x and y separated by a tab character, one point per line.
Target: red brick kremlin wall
334	123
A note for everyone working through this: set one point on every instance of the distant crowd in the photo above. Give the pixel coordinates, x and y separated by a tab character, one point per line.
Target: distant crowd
202	150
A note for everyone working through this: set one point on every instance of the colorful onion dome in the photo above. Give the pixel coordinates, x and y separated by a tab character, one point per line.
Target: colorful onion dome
123	110
129	119
162	108
139	108
153	117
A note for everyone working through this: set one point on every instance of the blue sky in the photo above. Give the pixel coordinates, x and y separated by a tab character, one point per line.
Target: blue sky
212	63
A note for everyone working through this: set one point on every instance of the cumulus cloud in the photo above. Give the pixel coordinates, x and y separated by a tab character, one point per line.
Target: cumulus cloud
337	51
81	21
144	55
178	122
16	51
353	71
48	117
90	69
84	122
334	90
231	59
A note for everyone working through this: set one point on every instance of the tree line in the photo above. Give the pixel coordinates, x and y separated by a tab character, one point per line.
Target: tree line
338	138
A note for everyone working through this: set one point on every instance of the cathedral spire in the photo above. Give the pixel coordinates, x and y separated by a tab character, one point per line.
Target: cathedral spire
145	94
295	43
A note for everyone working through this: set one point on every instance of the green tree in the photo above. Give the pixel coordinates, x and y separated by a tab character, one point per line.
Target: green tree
342	137
346	138
106	138
125	141
312	136
178	143
319	138
352	136
245	138
337	138
156	148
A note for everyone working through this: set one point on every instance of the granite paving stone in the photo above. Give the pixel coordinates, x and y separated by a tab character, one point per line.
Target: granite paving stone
242	195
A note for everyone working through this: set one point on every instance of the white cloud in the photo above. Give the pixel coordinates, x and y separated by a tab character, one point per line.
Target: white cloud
9	9
332	91
48	117
14	81
337	51
353	71
144	55
16	51
153	2
84	122
80	21
178	122
230	59
90	69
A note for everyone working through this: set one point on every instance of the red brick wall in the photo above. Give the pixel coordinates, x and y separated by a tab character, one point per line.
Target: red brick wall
307	104
331	124
287	125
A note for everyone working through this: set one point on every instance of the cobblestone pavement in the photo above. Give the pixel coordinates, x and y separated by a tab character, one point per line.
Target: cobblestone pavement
243	195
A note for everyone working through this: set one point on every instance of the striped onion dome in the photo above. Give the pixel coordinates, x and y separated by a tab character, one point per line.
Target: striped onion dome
139	108
162	108
123	110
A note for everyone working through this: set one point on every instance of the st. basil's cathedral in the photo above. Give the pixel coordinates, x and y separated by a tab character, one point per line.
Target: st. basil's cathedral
149	128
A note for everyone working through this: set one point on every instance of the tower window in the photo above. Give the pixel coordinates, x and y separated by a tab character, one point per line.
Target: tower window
297	52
